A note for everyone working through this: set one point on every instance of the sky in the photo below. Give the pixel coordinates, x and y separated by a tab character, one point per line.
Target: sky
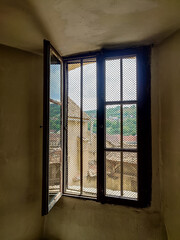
112	76
55	72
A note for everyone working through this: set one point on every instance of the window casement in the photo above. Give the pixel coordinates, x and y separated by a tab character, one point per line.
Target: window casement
52	128
104	132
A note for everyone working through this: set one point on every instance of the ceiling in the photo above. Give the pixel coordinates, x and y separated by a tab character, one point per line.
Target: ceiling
75	26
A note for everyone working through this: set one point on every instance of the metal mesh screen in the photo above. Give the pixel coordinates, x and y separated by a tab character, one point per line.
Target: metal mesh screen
112	76
120	130
81	163
73	129
129	126
121	127
55	129
113	173
89	108
130	175
129	78
113	126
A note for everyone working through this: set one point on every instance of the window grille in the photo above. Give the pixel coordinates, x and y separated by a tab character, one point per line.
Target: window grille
81	155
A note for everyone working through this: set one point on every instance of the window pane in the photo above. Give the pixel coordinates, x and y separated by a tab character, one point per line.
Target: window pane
130	175
73	130
112	75
89	128
129	126
113	173
55	76
55	129
87	169
113	126
129	78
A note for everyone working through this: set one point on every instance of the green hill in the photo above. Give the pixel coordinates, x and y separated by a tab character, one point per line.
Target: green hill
112	119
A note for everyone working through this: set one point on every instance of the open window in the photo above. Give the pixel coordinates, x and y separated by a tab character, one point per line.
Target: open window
99	147
52	128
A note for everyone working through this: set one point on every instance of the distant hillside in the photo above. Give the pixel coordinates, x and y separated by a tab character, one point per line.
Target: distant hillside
112	119
115	112
91	113
54	120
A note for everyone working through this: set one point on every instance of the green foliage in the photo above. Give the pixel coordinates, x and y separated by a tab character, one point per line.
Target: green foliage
54	121
112	120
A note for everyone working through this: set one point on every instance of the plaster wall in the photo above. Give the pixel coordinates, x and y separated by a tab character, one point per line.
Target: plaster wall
20	144
21	156
168	65
75	26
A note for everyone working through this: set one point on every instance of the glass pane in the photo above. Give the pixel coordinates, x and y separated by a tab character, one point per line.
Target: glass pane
112	75
129	78
89	128
73	130
55	76
129	126
130	175
113	126
113	173
55	129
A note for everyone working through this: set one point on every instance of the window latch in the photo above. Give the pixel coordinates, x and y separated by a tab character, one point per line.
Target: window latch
41	126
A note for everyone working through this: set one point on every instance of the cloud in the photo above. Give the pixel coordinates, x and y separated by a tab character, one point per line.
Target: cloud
55	72
112	78
89	86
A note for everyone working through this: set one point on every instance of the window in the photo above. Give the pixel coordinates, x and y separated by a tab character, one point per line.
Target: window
81	128
52	128
107	128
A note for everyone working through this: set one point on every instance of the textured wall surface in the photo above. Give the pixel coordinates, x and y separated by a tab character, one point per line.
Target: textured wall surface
81	25
21	158
168	64
20	144
84	220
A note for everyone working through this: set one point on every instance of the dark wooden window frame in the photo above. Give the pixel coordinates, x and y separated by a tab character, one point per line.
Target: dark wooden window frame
143	126
48	49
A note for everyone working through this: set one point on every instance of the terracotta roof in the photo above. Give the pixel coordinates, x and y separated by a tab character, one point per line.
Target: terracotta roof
55	102
74	110
115	156
54	155
130	138
115	139
54	136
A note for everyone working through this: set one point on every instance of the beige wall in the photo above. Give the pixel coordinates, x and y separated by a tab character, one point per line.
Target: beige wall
168	65
20	144
21	154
